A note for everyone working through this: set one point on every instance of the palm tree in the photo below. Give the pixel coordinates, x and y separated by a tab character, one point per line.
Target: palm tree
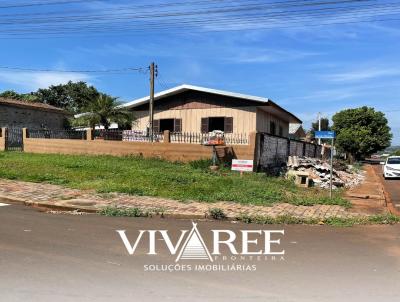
103	111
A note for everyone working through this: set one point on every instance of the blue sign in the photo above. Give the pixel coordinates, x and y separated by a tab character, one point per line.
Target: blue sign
325	134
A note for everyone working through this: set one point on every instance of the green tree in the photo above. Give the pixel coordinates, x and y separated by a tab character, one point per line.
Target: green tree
103	111
11	94
73	97
324	127
361	132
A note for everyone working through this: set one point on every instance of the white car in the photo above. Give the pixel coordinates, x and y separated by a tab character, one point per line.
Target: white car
391	167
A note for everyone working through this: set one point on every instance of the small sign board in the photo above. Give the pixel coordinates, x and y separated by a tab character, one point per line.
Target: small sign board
242	165
325	134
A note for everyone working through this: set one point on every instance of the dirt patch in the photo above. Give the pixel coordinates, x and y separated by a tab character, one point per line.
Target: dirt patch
368	197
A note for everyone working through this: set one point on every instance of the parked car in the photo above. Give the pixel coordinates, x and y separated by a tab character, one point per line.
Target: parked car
391	167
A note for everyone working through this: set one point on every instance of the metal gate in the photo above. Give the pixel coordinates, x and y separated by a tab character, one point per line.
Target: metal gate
14	139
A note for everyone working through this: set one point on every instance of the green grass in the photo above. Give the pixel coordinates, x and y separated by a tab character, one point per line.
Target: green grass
122	212
114	211
154	177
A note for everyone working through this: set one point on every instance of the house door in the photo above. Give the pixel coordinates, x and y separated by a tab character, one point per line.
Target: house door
14	139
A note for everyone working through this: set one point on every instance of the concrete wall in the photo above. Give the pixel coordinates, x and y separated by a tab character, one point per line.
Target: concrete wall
166	150
14	116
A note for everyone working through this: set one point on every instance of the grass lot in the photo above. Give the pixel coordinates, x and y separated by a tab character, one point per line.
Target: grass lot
153	177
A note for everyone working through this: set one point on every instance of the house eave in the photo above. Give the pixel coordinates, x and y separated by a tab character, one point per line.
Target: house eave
186	87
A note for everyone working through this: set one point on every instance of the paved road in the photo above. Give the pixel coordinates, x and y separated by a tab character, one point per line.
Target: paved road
392	186
47	257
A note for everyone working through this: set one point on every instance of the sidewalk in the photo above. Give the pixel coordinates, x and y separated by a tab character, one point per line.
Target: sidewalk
368	199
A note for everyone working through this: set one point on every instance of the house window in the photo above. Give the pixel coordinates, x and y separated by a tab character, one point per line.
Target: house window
280	131
166	124
171	124
272	128
209	124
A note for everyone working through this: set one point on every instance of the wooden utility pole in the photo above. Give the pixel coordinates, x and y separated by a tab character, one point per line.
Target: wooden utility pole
151	103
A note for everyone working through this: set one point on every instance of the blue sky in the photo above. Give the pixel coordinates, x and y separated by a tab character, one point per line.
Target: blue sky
306	69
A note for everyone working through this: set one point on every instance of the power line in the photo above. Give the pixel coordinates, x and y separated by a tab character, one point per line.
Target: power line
239	26
127	69
44	3
375	9
130	16
228	17
226	9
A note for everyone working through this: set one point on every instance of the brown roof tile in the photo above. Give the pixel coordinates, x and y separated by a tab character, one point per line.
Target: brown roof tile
32	105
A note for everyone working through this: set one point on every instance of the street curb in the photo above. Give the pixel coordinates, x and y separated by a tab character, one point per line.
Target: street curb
36	204
11	199
58	207
388	200
47	206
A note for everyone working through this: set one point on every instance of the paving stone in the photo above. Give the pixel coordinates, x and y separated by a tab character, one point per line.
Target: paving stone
56	195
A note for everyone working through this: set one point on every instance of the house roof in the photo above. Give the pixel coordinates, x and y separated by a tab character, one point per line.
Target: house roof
31	105
182	88
294	127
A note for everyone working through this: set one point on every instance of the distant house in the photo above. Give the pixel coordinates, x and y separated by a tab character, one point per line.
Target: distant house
296	131
21	114
188	108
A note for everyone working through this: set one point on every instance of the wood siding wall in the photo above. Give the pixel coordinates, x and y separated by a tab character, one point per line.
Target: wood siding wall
244	118
263	123
3	139
192	106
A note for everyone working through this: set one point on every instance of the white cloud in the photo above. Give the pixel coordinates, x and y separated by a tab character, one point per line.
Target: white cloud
325	96
266	55
364	74
33	80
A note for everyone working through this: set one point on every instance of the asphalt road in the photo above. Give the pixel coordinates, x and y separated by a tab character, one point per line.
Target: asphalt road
48	257
392	186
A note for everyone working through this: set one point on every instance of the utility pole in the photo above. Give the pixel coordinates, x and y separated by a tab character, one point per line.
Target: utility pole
331	172
151	102
319	126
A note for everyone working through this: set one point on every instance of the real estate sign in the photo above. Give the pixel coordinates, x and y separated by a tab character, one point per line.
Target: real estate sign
242	165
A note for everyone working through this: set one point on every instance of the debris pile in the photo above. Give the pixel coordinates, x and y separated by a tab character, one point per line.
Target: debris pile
319	171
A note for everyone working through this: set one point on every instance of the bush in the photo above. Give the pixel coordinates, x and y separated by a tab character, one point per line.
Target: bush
217	213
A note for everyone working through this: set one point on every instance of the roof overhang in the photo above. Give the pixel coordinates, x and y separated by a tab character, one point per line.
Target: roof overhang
265	103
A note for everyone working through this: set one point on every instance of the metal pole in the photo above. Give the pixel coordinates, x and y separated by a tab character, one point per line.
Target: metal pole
330	186
151	103
319	126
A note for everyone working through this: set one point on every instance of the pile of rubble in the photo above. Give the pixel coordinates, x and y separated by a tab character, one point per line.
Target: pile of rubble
319	172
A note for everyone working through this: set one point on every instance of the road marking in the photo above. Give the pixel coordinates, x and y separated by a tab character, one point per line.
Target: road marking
3	204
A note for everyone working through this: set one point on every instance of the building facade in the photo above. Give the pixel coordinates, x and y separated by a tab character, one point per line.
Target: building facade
21	114
196	109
